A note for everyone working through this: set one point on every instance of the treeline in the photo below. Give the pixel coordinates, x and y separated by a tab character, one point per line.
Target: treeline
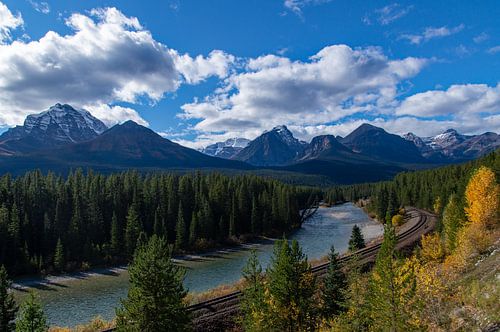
429	189
48	222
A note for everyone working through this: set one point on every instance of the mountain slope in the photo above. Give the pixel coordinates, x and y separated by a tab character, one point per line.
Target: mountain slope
377	143
451	146
272	148
227	149
59	125
124	146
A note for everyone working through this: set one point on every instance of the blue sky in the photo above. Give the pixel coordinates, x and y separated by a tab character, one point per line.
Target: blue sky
203	71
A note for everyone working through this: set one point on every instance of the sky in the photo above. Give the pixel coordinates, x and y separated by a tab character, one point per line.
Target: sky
199	72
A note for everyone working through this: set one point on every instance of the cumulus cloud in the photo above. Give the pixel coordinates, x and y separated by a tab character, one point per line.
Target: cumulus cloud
457	100
112	115
8	22
388	14
198	69
431	33
107	58
333	84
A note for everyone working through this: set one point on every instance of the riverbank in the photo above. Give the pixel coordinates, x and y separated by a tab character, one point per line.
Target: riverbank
74	299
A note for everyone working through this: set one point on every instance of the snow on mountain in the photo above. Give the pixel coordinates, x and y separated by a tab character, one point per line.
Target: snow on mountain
226	149
59	125
452	145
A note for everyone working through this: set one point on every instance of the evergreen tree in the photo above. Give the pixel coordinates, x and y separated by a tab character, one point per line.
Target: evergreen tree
255	218
254	308
132	230
357	240
193	230
155	300
453	219
8	306
334	287
392	288
31	316
180	229
59	257
291	287
232	220
116	243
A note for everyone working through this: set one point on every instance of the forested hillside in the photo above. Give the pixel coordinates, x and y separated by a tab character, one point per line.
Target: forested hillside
429	189
54	223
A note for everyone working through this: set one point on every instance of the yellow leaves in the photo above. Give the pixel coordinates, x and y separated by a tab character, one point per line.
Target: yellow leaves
432	248
438	205
482	194
397	220
473	239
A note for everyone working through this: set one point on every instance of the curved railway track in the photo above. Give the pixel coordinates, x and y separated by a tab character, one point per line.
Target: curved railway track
211	315
216	314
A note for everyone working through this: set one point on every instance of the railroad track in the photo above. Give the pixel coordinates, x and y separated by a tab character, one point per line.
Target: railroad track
208	315
212	315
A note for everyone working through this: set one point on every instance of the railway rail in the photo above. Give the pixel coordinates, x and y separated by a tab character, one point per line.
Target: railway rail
217	314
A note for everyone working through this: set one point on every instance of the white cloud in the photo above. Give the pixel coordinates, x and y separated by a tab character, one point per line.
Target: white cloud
494	50
8	22
112	115
41	7
107	58
333	84
481	38
388	14
198	69
431	33
296	6
457	100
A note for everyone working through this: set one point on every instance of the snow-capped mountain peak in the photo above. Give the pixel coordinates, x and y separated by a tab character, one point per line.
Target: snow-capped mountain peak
226	149
59	125
72	122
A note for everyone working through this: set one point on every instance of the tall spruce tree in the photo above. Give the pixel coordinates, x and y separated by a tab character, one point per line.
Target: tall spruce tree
453	219
254	308
59	257
291	287
334	287
8	306
391	288
155	300
357	240
31	316
132	230
180	229
116	243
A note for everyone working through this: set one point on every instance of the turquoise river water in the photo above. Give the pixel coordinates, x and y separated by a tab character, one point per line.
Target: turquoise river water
76	299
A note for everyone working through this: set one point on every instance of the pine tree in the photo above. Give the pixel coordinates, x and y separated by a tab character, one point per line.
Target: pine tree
180	229
155	300
31	316
59	257
292	287
392	288
254	308
255	218
232	220
193	230
453	219
8	306
334	287
357	240
116	243
132	230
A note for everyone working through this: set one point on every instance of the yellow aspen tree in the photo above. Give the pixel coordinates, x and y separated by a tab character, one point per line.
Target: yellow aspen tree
482	195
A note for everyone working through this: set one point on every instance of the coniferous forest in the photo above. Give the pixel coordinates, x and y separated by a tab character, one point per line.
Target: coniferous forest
50	223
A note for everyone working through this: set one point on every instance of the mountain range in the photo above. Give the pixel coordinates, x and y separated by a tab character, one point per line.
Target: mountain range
64	138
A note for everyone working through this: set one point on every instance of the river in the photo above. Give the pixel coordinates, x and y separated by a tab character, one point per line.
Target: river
69	301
